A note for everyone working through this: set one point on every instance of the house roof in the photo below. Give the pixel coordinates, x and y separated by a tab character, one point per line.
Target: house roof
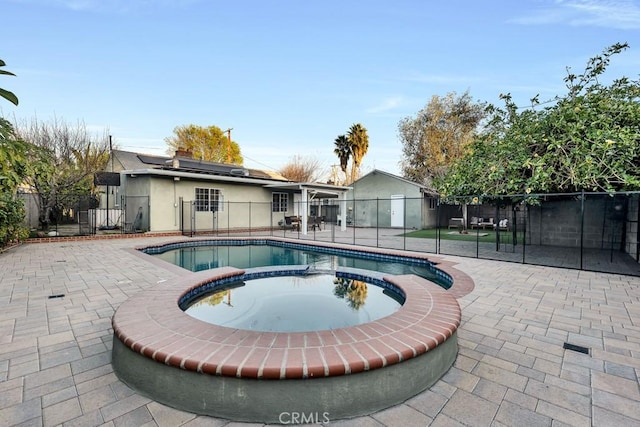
423	188
134	164
130	161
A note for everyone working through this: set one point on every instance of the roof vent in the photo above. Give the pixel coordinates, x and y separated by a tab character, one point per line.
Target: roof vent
242	172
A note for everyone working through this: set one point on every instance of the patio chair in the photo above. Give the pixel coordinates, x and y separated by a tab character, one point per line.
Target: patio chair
456	223
286	223
475	222
503	224
486	224
315	222
289	223
295	222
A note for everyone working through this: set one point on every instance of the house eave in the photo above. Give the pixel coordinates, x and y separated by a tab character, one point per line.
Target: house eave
196	176
320	190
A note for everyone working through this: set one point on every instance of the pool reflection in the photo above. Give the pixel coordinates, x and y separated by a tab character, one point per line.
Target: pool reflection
294	304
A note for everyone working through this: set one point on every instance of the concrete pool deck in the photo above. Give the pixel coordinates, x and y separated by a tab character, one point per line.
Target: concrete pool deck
512	369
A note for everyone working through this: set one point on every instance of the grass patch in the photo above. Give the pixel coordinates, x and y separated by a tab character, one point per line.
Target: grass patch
472	236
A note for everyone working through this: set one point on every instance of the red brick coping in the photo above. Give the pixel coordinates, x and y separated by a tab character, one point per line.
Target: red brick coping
152	324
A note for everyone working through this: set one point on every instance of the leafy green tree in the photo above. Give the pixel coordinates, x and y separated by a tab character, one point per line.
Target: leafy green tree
9	96
438	136
210	144
14	166
588	139
13	158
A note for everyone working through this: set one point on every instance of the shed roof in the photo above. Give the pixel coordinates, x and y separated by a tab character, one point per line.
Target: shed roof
423	188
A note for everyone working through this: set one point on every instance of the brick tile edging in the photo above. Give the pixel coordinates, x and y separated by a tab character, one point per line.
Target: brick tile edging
100	237
152	324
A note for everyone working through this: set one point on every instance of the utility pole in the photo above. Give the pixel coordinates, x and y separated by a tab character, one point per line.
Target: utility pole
229	144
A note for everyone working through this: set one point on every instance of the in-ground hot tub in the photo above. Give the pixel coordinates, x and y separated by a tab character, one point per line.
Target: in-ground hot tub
263	376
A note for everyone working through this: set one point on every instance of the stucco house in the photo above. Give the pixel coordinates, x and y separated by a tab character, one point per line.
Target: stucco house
160	194
386	200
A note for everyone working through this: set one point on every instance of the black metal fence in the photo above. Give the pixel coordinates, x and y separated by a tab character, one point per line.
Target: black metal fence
584	231
79	215
60	214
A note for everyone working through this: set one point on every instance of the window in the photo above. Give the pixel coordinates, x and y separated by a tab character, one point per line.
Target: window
432	203
209	199
280	202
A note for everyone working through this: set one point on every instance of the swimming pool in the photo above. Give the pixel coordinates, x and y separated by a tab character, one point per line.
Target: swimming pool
247	375
206	254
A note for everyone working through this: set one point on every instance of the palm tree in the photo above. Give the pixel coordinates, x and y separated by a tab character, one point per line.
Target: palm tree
343	151
359	145
9	96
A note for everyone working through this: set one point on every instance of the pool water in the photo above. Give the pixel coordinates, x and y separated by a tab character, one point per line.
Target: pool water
295	304
197	258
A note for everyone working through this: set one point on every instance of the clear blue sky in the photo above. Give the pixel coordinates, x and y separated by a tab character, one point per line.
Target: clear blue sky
290	76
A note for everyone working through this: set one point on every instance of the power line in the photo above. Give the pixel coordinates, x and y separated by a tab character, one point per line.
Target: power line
260	163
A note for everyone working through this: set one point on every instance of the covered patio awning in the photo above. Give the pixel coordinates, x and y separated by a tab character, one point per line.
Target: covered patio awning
311	191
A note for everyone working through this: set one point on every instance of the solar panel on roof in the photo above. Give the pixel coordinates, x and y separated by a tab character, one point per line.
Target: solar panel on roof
203	166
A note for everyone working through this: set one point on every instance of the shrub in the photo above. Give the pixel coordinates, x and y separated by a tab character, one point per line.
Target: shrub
12	214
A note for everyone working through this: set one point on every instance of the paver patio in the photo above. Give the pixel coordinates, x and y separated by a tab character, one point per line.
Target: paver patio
511	369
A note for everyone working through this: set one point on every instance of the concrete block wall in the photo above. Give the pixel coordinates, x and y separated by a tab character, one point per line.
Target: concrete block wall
631	243
560	223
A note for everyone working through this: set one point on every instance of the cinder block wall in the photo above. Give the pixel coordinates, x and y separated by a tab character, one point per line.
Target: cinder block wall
631	244
558	223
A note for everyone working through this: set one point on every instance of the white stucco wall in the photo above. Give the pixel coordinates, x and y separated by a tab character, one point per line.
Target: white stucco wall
244	205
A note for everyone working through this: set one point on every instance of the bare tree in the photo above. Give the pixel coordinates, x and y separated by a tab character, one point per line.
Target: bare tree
64	160
302	169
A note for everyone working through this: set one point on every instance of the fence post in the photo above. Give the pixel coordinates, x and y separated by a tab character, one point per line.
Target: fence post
192	215
524	226
353	220
637	227
123	205
404	223
581	227
377	222
438	214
